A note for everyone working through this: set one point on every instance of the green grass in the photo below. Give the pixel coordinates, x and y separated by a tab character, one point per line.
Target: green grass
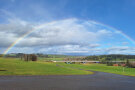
17	67
104	68
14	66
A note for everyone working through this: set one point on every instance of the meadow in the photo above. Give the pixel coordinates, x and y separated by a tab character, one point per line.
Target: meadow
103	68
15	66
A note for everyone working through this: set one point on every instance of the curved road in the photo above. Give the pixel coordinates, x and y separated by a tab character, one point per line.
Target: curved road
97	81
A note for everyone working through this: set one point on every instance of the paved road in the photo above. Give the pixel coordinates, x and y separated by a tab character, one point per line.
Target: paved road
97	81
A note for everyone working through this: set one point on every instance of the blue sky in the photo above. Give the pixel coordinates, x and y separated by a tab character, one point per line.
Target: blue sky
18	17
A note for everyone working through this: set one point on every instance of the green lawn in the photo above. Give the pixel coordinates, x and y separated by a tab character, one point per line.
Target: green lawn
14	66
104	68
17	67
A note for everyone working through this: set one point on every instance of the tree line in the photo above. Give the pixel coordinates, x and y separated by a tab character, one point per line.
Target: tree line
110	57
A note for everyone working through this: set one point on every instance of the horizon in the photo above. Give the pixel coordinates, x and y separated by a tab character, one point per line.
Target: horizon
68	55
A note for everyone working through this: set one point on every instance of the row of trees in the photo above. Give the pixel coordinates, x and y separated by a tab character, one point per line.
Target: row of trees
25	57
110	57
74	58
18	55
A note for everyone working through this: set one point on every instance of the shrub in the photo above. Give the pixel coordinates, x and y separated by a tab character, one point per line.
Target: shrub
110	63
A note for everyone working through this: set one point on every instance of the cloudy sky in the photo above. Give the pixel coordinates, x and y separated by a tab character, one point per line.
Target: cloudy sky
70	27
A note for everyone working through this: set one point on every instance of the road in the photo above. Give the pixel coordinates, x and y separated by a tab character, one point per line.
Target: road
97	81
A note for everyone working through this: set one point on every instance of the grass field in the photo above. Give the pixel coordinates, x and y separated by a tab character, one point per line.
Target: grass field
12	66
103	68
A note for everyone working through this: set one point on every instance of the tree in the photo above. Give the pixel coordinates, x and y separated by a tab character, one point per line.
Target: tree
30	57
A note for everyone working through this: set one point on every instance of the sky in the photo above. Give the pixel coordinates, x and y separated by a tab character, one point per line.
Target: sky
70	27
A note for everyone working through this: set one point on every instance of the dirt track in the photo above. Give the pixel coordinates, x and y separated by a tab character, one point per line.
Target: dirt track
97	81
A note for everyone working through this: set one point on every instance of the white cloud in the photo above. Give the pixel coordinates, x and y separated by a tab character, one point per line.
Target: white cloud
121	50
94	45
64	32
125	43
61	36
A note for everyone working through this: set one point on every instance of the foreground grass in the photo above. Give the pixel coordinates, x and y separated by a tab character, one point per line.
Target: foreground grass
14	66
18	67
104	68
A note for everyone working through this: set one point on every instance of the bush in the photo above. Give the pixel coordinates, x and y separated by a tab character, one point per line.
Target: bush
110	63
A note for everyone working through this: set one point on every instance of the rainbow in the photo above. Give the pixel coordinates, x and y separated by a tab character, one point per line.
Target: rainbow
51	23
25	35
